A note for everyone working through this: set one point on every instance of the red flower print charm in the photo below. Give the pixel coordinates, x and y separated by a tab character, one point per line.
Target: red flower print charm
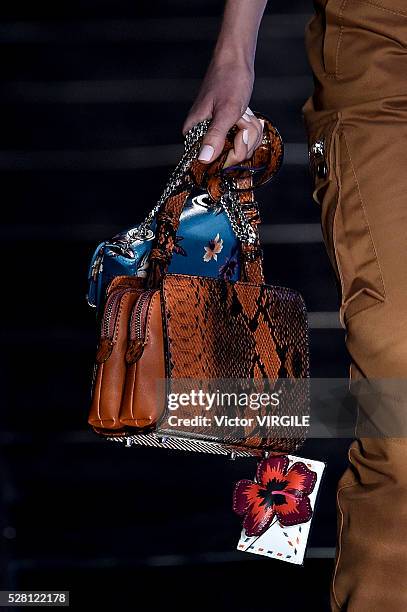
278	493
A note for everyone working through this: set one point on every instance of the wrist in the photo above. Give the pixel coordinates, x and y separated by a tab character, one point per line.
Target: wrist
233	55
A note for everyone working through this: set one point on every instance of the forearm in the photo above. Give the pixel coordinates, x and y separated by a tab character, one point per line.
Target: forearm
226	90
238	35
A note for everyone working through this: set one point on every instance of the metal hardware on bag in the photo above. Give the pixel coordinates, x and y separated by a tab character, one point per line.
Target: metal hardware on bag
185	444
253	254
229	201
134	235
247	205
242	229
191	148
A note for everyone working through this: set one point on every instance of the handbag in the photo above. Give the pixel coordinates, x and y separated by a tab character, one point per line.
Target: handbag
166	332
204	230
201	224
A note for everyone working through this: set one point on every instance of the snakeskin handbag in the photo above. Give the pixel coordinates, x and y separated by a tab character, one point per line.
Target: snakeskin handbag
168	339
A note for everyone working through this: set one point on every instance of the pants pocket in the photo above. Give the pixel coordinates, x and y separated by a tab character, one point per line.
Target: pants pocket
362	279
344	220
332	42
326	186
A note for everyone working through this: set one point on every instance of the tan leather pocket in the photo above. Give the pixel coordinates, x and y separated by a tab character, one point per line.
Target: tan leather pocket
344	219
110	365
143	399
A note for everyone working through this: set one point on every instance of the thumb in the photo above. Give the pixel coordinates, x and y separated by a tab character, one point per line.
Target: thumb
223	119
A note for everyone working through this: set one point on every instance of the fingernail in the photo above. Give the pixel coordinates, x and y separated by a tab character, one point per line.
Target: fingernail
246	117
249	112
245	136
205	154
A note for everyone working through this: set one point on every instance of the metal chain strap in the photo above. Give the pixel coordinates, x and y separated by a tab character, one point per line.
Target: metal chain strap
191	149
241	227
229	201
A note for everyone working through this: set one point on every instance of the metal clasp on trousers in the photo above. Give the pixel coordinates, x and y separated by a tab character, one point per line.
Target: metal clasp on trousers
317	160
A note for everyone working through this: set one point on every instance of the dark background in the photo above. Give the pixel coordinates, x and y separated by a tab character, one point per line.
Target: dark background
93	96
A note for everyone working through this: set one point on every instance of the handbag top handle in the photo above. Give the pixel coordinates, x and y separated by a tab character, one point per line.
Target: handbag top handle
233	189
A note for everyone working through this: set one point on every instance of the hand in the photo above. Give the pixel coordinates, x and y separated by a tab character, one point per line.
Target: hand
224	97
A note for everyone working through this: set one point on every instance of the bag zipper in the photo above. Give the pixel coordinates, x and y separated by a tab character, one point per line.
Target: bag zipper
111	313
109	324
138	325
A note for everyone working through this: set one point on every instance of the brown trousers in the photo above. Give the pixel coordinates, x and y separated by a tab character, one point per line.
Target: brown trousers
357	127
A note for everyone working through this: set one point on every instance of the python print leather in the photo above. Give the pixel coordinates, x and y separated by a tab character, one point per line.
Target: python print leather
221	330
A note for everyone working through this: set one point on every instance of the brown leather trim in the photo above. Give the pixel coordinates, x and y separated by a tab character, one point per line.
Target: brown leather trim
144	398
110	366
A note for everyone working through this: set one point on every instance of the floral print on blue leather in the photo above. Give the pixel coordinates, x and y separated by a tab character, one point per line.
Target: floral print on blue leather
213	248
205	246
